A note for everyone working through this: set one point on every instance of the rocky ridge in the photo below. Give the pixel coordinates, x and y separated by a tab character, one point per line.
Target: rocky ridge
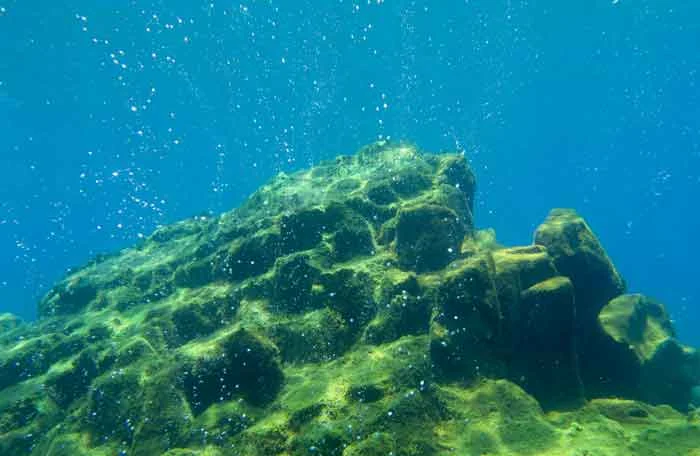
350	309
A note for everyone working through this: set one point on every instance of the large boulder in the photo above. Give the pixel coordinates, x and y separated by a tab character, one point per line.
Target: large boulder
578	255
667	371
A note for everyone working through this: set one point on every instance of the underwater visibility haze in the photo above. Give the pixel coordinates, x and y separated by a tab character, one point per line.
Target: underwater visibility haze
349	228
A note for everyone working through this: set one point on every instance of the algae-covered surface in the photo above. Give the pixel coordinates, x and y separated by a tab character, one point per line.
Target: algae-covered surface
350	309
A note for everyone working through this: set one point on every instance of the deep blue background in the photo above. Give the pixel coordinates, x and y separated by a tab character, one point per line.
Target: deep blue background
114	119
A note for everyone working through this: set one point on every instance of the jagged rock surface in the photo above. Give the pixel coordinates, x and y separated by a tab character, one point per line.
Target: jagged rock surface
350	309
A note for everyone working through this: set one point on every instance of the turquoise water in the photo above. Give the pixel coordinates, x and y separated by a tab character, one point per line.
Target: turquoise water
118	118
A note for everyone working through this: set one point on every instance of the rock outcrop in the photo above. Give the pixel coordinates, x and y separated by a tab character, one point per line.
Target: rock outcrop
349	309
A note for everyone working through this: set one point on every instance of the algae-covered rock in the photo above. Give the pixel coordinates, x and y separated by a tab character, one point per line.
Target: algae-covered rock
545	361
321	335
292	286
8	322
578	255
515	270
637	321
667	371
74	379
240	364
428	237
538	308
113	406
350	309
352	239
68	297
495	417
302	230
403	314
670	375
467	327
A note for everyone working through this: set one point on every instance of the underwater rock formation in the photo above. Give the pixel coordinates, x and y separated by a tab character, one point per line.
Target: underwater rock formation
350	309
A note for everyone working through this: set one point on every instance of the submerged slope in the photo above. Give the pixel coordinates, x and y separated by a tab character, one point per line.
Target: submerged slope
349	309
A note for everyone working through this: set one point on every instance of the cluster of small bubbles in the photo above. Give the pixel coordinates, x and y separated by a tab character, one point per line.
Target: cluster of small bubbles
83	20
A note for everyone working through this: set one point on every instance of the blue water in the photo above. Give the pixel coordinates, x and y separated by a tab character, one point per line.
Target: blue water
114	119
